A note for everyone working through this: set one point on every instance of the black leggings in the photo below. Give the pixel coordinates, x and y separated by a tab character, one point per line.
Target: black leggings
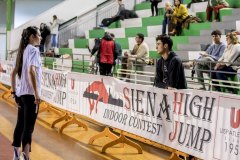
27	114
154	5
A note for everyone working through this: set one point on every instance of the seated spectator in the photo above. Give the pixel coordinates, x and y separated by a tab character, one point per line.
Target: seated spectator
127	14
169	70
154	4
139	55
167	17
213	53
108	21
180	14
215	6
46	38
225	63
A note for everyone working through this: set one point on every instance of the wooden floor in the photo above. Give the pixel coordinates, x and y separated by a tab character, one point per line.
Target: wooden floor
48	144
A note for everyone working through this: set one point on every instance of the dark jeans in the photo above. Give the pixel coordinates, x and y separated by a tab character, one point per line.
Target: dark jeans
223	76
108	21
41	48
27	114
164	24
105	69
154	5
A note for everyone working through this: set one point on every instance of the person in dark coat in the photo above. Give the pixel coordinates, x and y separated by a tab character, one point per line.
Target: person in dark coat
154	5
108	21
46	37
169	70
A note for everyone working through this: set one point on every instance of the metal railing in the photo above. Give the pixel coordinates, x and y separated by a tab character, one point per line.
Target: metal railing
193	80
147	77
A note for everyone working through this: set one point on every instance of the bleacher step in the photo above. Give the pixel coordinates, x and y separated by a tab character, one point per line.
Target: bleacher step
200	40
231	18
189	47
223	25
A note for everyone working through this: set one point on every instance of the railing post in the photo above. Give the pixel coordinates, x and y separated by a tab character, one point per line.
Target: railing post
97	17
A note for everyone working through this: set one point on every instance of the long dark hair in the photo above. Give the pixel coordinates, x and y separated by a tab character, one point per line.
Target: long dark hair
23	44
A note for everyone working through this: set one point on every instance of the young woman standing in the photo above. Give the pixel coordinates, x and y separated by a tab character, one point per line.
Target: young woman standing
28	70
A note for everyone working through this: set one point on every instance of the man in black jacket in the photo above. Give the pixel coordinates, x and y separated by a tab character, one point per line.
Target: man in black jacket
169	69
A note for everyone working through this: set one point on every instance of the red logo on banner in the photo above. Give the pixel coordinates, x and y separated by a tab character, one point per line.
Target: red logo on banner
235	118
97	86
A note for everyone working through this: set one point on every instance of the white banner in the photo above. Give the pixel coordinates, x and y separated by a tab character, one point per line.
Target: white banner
6	68
54	88
200	123
184	120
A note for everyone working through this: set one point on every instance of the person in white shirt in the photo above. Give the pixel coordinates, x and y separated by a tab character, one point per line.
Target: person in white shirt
28	69
225	63
54	31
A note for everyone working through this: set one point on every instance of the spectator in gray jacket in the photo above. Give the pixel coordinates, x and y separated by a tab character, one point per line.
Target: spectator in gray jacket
213	53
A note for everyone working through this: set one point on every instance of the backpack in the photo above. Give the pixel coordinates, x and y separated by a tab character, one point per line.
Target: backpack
191	19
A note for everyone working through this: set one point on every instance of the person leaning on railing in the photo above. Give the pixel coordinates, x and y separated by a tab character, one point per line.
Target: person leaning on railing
138	56
205	61
225	63
169	69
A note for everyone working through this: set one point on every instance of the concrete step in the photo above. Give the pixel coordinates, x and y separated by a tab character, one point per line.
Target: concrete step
188	47
236	11
223	25
182	54
200	39
199	7
208	32
231	18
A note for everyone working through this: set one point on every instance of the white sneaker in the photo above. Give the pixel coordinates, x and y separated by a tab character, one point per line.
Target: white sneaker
16	153
24	157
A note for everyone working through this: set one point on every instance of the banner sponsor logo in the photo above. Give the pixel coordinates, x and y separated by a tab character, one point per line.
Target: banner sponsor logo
102	95
235	117
54	88
227	140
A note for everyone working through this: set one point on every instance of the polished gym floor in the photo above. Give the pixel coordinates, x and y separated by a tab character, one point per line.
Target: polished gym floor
72	144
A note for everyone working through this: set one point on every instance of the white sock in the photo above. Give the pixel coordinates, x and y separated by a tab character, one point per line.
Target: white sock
16	153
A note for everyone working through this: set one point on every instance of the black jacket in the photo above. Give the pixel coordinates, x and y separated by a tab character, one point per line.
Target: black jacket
170	73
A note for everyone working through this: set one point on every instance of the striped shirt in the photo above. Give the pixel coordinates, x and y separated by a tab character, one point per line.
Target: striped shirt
31	57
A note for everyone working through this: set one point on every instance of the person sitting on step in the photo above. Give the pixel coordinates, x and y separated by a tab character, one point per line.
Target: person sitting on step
180	14
215	6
